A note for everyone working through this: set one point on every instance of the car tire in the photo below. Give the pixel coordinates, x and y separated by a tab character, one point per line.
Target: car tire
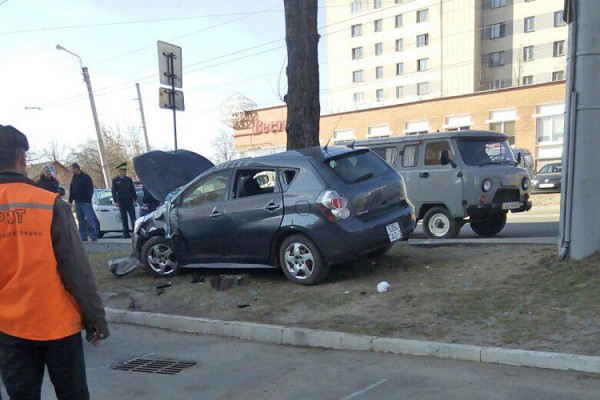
158	257
489	226
301	261
439	224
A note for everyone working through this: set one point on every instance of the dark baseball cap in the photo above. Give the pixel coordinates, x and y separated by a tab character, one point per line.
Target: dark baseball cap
12	138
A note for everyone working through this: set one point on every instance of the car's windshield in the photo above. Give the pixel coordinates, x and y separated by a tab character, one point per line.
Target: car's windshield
485	152
550	169
359	166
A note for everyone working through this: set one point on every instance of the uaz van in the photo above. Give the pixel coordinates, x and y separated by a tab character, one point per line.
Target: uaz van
453	178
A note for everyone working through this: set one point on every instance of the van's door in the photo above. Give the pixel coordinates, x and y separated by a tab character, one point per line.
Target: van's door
438	183
408	166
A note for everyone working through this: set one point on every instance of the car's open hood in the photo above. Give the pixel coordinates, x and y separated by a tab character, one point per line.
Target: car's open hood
161	172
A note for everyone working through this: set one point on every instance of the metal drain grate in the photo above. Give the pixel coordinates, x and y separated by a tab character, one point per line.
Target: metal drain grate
165	367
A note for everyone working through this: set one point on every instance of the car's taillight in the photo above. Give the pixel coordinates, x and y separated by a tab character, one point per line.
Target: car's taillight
333	205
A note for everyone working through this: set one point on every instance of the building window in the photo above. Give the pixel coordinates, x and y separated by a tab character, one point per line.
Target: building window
398	1
378	130
378	49
527	53
558	76
416	127
422	88
359	98
356	30
357	53
376	4
356	6
398	21
399	91
460	122
504	121
379	95
497	3
399	44
423	64
423	15
378	72
559	48
529	24
498	84
495	59
550	123
357	76
423	40
528	80
343	134
559	18
378	25
399	68
497	31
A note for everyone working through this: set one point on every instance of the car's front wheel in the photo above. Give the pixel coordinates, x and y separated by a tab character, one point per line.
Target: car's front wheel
301	261
489	226
439	224
158	257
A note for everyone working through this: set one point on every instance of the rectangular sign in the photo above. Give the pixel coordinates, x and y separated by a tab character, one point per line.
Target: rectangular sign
164	99
169	64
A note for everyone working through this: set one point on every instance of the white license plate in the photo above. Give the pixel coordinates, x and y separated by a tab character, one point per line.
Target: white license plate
511	205
546	185
394	232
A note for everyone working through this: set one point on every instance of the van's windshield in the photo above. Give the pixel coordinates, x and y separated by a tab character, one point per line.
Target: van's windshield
485	152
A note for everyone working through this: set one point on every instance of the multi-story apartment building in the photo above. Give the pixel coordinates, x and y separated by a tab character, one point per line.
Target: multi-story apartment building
384	52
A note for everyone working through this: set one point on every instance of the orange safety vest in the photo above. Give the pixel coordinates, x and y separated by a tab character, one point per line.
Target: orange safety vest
34	303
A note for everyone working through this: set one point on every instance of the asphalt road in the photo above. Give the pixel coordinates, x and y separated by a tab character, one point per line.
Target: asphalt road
235	369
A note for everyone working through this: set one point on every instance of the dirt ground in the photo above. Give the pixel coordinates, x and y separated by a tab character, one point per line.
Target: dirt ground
516	296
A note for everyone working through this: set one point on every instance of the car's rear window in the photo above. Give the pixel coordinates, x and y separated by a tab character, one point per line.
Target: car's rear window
358	166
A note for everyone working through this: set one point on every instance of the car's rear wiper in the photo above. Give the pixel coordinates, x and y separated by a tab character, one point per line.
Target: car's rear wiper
362	177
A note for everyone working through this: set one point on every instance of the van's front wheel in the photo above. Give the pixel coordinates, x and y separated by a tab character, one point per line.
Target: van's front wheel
439	224
489	226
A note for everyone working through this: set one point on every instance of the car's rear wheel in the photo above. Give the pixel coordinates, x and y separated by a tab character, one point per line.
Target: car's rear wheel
301	261
489	226
158	257
439	224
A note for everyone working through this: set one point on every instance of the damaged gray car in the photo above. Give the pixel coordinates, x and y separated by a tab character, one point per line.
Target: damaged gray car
301	211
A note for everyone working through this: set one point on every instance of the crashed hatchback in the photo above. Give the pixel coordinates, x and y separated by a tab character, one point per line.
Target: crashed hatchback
301	211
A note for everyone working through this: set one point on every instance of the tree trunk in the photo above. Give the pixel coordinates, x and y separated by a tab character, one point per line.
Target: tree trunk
303	107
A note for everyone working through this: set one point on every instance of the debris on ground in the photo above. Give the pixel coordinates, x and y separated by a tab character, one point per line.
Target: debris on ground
224	282
122	266
383	287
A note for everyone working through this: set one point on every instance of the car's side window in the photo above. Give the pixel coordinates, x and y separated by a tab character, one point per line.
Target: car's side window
434	150
209	190
255	181
104	198
409	155
389	154
287	176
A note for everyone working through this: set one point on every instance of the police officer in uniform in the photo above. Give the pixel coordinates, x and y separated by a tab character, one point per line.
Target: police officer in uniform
124	195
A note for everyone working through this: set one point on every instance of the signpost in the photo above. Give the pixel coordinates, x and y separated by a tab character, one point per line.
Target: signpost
171	72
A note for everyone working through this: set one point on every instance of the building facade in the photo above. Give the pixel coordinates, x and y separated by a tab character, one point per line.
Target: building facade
385	52
532	116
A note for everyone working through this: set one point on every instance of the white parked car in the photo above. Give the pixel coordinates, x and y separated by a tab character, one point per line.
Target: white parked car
108	215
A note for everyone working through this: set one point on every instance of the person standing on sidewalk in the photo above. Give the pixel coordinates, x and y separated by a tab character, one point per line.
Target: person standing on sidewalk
48	181
81	191
47	289
123	192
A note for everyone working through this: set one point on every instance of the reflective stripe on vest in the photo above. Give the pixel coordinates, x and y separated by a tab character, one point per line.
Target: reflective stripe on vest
34	303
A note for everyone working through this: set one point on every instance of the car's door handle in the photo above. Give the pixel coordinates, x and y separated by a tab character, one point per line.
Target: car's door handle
424	174
272	207
215	214
104	210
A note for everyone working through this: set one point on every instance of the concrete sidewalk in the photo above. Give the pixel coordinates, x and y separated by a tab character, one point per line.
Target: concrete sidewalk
276	334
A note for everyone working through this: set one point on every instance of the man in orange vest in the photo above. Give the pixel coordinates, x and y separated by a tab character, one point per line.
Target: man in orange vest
47	289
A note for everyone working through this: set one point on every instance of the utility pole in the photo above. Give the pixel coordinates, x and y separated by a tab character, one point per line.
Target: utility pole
139	98
86	78
579	231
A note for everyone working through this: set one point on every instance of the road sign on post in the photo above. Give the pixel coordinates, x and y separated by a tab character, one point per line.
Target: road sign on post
171	72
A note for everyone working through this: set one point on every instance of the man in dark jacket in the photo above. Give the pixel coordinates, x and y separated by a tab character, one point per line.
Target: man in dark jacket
47	295
47	181
124	195
81	191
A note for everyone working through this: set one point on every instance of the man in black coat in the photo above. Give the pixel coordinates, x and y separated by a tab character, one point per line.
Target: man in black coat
124	195
47	181
81	191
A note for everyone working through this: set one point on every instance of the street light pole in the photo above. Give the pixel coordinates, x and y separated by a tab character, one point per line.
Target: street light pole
86	78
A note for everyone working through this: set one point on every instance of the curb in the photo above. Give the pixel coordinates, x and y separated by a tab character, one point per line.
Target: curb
277	334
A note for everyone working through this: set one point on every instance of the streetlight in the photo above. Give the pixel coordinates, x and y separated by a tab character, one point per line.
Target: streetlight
86	78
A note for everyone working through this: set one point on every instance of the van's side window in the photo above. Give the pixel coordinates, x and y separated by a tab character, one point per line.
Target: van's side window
434	150
409	155
389	154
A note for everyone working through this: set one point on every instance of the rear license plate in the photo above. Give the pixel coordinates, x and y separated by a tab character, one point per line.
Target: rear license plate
394	232
546	185
511	205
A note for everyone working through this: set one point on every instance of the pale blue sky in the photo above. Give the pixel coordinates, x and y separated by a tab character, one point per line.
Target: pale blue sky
228	46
